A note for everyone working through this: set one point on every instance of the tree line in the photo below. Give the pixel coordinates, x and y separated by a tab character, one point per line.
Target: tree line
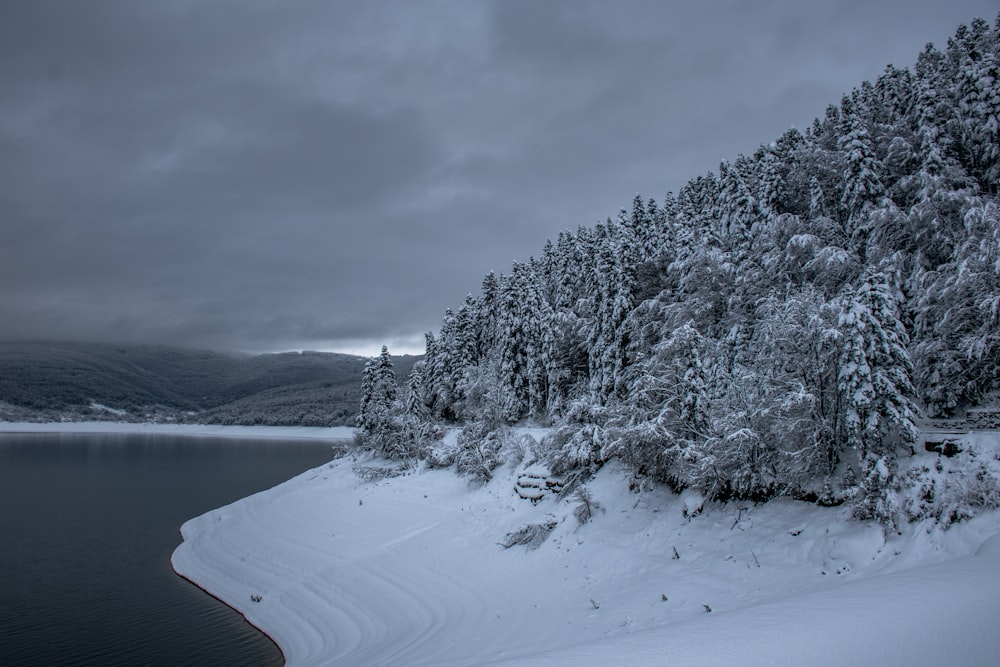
774	327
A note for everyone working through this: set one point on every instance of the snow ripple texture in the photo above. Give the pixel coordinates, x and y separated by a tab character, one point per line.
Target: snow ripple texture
409	571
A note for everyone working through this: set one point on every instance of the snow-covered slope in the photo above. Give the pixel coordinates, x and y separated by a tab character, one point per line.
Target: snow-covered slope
409	570
942	614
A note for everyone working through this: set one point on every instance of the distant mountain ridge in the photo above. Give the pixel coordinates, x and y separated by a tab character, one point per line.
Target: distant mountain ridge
41	380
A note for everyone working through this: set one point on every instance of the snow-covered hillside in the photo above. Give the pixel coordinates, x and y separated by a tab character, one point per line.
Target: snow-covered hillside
412	570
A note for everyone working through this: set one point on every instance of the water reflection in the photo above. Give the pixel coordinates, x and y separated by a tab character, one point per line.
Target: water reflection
89	523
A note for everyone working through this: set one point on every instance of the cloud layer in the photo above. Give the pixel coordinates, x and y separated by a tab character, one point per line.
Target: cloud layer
269	175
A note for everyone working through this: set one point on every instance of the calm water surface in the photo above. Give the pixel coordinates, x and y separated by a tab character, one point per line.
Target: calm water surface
87	526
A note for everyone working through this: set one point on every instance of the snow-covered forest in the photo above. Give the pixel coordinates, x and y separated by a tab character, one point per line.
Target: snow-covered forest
780	327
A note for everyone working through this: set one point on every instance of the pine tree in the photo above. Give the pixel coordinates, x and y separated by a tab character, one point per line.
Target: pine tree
614	274
862	189
415	392
642	228
958	318
486	320
875	369
772	183
378	392
894	90
524	342
695	212
737	210
980	106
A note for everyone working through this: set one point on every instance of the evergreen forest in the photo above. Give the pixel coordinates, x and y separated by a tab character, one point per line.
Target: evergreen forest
781	326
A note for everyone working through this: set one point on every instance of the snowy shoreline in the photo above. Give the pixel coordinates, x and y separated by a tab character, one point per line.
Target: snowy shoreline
407	570
333	433
259	629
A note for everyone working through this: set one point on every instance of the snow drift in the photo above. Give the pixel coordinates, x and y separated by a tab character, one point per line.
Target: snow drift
412	570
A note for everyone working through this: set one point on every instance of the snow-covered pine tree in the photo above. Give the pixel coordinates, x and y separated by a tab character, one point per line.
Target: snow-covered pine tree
695	207
737	210
415	392
442	377
875	387
524	341
617	258
378	392
643	228
875	368
464	351
894	92
486	320
980	106
933	112
958	318
862	189
660	241
567	272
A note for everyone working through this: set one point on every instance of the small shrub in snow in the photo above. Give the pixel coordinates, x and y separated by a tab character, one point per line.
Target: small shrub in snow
479	449
376	473
531	535
440	453
982	490
514	449
574	447
584	411
642	448
574	480
584	511
877	498
693	502
397	436
339	450
954	490
827	497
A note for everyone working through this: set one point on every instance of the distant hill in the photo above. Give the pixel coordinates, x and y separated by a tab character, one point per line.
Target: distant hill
139	383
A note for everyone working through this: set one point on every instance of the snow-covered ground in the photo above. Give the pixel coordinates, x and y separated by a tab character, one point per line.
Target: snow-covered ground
409	570
269	432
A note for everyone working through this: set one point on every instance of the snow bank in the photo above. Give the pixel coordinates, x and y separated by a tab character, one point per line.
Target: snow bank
409	570
943	614
203	430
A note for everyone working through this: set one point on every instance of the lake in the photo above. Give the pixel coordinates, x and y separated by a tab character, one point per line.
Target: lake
88	523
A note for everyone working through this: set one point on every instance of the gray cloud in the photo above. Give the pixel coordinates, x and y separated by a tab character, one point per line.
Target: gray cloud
268	175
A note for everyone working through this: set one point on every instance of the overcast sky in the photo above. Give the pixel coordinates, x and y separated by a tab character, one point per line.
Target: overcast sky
268	176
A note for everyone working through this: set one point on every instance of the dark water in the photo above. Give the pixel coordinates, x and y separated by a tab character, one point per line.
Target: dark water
87	526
